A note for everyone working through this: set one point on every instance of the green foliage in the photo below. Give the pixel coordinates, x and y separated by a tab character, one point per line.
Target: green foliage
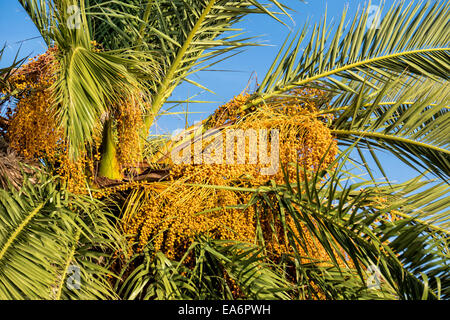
5	74
388	91
405	238
141	42
400	230
411	39
44	233
216	264
411	122
189	36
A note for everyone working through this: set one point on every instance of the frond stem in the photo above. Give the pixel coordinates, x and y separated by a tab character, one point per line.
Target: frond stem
20	228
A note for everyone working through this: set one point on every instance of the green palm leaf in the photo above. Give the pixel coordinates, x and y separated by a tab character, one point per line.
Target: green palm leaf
412	123
47	234
41	13
181	37
402	43
400	230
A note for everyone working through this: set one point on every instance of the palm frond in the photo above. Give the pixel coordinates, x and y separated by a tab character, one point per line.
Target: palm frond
412	123
217	265
399	235
54	245
246	265
399	230
412	38
181	37
41	14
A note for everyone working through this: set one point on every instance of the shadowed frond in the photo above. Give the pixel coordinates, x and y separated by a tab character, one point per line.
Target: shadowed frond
396	234
219	267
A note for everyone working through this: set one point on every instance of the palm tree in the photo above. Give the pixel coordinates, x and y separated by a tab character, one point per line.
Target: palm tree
385	89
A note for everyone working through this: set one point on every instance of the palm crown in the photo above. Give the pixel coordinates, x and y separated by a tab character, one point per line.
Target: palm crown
371	90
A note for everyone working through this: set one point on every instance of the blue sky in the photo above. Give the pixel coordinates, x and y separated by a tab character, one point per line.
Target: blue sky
15	27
